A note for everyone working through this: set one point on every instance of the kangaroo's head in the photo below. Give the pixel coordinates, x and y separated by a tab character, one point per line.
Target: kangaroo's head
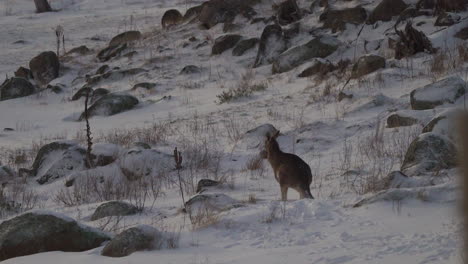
271	145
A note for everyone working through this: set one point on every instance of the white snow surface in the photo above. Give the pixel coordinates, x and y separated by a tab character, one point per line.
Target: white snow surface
414	224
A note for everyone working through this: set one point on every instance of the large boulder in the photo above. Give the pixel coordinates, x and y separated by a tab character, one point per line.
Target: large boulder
429	152
224	43
23	72
317	66
403	118
222	11
446	91
446	19
445	123
204	184
59	166
386	10
193	13
319	47
213	202
272	44
40	231
125	37
134	239
171	17
288	12
367	64
15	87
114	208
336	20
244	45
45	67
82	92
136	164
111	104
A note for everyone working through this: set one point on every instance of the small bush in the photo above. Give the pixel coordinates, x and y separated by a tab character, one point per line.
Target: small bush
244	88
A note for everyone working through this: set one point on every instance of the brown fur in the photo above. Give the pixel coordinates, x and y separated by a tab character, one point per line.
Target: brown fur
171	17
290	170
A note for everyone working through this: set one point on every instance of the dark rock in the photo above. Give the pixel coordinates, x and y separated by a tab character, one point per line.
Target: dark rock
145	85
82	93
58	88
244	45
125	37
224	43
429	152
411	42
134	239
38	232
288	12
110	52
336	19
205	183
111	104
446	19
171	17
114	208
386	10
23	73
222	11
144	162
442	92
272	44
98	93
103	69
82	50
396	120
190	69
231	27
8	129
319	47
319	66
462	34
141	145
15	87
45	67
342	96
46	153
367	64
193	13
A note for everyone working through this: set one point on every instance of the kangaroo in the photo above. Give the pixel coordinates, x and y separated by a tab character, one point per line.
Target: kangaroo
290	170
171	17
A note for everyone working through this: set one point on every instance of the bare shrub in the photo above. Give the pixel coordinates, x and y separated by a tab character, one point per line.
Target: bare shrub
17	198
244	88
203	218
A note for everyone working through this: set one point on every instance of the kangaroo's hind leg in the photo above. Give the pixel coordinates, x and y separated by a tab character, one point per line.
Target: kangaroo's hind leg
284	192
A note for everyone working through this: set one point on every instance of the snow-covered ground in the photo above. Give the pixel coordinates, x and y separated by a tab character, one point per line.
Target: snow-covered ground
331	136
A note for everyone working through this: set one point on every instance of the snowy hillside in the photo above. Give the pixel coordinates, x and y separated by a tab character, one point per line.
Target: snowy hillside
366	92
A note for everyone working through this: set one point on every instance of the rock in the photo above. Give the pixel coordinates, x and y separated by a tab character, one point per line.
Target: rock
216	202
190	69
114	75
82	50
145	85
231	27
41	231
98	93
343	95
319	66
336	19
193	13
403	118
442	92
114	208
23	73
136	164
8	129
288	12
6	175
141	145
15	87
451	5
319	47
170	18
57	167
221	11
445	123
462	34
45	67
367	64
82	93
125	37
385	10
58	88
446	20
244	45
411	42
134	239
111	104
224	43
429	152
103	69
110	52
397	179
272	44
205	183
